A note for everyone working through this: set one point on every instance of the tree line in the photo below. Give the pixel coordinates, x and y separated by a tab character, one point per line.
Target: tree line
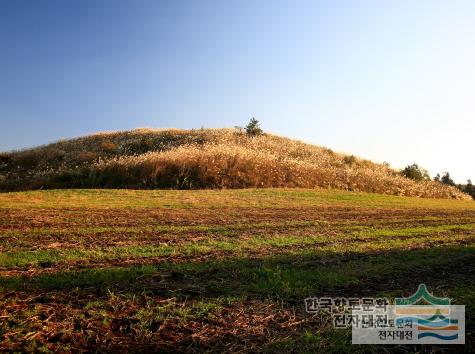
418	173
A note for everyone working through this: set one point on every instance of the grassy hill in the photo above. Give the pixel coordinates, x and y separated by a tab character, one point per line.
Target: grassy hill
200	159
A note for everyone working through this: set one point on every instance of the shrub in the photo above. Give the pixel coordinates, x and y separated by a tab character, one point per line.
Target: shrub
253	128
140	146
108	147
349	160
470	188
4	158
415	173
87	156
447	180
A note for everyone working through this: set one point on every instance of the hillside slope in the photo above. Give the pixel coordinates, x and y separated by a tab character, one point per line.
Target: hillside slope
195	159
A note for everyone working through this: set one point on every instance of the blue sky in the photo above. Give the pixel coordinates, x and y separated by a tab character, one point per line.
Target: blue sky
387	80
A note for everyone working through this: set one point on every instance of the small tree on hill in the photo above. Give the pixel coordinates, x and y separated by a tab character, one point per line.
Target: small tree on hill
445	179
470	188
253	128
415	172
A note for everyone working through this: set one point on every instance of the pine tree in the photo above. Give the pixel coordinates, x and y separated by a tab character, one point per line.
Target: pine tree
447	180
253	128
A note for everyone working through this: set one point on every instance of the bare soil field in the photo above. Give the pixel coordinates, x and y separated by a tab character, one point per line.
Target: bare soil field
228	270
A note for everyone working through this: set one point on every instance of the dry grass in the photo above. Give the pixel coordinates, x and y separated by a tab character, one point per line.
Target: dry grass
195	159
219	271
